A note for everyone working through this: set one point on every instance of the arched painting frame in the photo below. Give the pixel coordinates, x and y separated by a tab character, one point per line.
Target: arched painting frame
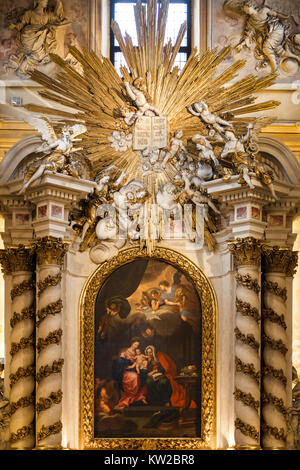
207	439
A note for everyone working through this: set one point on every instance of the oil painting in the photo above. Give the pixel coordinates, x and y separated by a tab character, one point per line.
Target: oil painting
147	353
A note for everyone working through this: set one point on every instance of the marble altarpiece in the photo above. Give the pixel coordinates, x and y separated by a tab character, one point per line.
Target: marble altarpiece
159	173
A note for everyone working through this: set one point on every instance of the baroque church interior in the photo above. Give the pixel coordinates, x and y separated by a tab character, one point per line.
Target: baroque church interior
149	224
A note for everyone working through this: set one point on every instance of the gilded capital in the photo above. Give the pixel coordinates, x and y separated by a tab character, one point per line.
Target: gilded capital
246	251
50	250
280	260
17	259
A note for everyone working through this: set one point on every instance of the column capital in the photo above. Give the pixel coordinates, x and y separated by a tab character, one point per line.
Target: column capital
50	250
246	251
280	260
18	258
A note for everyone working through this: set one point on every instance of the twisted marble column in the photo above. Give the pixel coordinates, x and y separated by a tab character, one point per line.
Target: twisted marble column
20	262
277	264
247	254
50	253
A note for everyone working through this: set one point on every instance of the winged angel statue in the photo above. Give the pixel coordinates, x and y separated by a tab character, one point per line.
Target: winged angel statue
273	29
155	134
55	153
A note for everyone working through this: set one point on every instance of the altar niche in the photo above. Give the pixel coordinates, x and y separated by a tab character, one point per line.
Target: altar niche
143	370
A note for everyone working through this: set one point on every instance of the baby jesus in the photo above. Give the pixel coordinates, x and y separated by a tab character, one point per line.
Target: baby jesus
141	361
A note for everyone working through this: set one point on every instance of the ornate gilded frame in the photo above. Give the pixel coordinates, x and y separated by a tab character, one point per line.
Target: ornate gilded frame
208	371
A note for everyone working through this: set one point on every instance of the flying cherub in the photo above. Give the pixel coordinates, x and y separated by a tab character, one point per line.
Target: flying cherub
201	109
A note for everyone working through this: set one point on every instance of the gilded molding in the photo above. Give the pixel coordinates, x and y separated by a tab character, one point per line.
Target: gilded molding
23	402
269	314
249	339
17	259
247	281
22	433
50	250
22	287
22	344
54	337
277	402
26	314
51	309
247	369
277	345
247	310
275	373
246	398
21	372
49	281
247	429
46	403
246	251
47	370
48	430
279	434
275	289
280	260
208	402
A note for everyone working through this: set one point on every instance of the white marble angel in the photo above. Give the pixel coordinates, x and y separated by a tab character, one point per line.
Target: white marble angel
166	196
59	149
176	145
200	109
139	99
206	150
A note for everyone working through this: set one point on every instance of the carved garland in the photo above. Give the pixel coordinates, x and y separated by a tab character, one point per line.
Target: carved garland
22	433
26	313
270	314
247	429
46	403
247	399
208	301
21	372
247	310
48	282
19	289
279	434
46	431
247	281
276	373
247	369
54	337
51	309
277	345
249	339
45	371
275	289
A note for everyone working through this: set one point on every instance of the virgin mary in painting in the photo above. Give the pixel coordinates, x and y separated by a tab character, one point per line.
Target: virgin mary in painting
148	348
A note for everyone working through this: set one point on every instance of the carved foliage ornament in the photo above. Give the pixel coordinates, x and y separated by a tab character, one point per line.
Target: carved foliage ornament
50	250
17	259
280	260
246	251
208	379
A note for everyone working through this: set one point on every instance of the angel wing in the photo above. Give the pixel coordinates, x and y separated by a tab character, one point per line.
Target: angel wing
233	8
40	123
77	129
289	8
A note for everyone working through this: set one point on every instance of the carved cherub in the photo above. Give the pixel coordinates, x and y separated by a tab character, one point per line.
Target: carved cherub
137	94
200	109
176	145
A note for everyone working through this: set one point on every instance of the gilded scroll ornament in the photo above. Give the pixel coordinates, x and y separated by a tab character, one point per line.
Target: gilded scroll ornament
54	337
247	281
247	429
247	369
246	339
246	251
245	309
45	371
47	431
48	281
51	309
50	250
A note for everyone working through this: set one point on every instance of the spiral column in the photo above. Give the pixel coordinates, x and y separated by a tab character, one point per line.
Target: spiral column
277	264
247	255
50	253
20	262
